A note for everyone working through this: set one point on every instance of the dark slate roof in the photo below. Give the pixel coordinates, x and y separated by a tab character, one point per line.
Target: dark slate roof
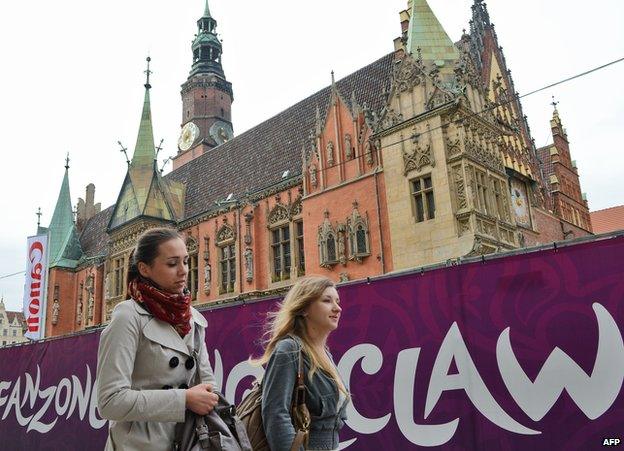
94	239
257	158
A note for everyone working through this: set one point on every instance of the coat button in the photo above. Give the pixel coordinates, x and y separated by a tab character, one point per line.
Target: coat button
190	363
174	362
167	387
183	386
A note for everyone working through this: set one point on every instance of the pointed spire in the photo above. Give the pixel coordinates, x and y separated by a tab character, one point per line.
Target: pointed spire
144	192
144	151
64	246
207	10
426	32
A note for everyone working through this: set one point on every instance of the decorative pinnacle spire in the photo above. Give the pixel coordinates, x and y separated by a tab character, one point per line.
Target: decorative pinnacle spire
148	71
332	77
67	161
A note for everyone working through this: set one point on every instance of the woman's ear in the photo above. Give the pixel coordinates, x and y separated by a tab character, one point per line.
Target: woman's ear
144	270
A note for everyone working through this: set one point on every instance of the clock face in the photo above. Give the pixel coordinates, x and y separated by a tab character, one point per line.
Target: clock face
519	203
188	135
221	132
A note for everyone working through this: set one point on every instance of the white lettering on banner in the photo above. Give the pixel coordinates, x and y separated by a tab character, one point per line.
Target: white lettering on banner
404	379
592	394
372	359
468	379
64	396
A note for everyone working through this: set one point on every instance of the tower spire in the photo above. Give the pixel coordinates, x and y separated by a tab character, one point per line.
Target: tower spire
207	10
64	245
207	47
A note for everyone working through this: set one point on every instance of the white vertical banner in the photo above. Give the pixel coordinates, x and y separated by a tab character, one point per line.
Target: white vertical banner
35	286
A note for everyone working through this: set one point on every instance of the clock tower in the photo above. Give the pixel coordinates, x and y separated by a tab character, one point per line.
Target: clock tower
206	96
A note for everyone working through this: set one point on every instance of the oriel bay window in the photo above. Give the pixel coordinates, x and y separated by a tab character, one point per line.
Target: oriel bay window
280	248
424	203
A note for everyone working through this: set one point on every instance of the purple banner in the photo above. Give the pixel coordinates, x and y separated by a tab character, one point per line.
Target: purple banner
515	353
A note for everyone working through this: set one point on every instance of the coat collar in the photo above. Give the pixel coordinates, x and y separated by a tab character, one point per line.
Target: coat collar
164	334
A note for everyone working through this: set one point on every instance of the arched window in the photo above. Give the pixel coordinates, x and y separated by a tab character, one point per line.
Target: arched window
358	233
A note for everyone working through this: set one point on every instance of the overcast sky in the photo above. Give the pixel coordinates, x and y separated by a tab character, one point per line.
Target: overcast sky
72	81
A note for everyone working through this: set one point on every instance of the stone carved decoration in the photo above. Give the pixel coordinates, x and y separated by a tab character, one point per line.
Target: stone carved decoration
79	313
248	218
344	277
460	188
79	306
418	158
313	180
226	233
342	255
330	153
438	98
249	264
56	308
279	213
477	248
453	146
296	208
406	75
348	147
107	287
369	148
191	245
90	299
207	267
327	243
358	235
390	118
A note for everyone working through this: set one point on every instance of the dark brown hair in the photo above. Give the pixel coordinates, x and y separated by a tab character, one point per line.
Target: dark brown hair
146	249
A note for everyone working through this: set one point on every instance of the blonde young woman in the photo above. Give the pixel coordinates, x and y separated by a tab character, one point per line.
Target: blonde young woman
309	313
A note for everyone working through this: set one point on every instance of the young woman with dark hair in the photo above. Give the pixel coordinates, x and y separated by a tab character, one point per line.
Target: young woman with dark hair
146	357
307	316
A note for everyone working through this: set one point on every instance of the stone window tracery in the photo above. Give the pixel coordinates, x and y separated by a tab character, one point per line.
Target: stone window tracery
358	235
328	243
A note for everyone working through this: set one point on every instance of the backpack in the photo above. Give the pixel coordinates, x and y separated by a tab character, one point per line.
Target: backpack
250	413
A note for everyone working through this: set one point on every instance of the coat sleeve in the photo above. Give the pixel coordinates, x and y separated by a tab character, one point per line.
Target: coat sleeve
117	400
205	370
277	390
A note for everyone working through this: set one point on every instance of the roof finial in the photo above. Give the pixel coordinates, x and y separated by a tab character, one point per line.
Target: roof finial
332	77
67	161
148	72
554	103
207	10
39	216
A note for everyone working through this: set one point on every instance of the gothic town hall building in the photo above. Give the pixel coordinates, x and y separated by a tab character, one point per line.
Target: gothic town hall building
422	156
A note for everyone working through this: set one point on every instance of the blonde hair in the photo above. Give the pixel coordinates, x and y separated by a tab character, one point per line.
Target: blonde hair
289	320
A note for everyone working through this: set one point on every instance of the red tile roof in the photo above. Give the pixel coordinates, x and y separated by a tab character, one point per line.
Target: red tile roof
608	220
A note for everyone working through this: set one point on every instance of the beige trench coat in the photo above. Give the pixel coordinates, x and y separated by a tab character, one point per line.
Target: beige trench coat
143	369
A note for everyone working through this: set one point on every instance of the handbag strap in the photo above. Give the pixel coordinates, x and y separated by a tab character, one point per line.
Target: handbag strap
300	399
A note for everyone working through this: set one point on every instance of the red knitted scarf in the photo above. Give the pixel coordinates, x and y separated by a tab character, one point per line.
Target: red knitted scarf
174	309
